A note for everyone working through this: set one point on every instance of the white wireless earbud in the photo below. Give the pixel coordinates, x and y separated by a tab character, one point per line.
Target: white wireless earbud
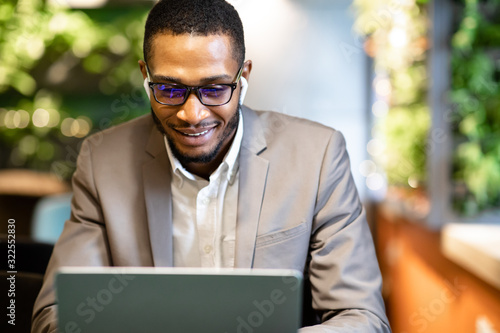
146	87
244	87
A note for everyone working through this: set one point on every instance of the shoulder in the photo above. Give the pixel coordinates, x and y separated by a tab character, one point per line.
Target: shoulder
132	132
116	153
281	122
120	145
290	132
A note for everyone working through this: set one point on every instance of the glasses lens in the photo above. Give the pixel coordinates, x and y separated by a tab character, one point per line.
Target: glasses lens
170	94
215	94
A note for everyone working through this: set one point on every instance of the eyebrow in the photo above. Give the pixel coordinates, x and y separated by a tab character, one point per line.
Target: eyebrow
203	81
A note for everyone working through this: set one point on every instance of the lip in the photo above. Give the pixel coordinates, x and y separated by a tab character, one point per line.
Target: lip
194	136
194	131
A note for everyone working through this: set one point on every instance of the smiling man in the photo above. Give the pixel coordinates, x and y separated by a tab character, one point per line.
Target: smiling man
204	181
199	126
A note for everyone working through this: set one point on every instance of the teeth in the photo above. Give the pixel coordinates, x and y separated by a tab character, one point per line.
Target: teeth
197	134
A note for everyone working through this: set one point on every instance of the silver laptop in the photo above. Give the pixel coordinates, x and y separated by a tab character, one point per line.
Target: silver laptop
138	299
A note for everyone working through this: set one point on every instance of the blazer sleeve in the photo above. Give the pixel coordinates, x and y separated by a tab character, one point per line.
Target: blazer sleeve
83	241
343	268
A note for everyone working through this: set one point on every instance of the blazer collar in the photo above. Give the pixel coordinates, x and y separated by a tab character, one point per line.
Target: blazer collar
155	145
252	184
254	138
158	196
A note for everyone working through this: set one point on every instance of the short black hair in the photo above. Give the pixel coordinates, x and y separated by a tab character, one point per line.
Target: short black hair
197	17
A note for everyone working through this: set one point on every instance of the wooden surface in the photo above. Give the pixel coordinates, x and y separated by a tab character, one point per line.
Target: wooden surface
25	182
20	190
424	291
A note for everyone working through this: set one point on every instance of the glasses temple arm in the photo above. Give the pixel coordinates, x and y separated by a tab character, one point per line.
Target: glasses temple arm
147	73
240	72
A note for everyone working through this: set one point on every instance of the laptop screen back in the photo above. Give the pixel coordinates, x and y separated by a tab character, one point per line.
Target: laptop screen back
118	299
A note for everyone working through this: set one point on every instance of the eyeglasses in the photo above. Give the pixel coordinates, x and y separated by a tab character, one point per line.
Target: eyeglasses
174	94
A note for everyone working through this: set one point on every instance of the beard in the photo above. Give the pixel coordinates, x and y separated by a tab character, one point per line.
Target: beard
207	157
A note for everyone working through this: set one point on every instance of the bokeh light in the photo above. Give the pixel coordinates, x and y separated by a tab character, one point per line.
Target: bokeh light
383	87
398	38
413	181
375	182
375	147
367	167
15	119
118	44
78	127
41	118
380	108
28	145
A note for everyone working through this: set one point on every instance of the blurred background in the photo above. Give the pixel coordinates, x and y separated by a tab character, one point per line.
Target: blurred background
414	85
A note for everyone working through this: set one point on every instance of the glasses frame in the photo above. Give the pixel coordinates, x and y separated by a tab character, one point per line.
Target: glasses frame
195	89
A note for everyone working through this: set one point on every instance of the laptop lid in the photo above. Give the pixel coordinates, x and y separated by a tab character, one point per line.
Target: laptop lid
139	299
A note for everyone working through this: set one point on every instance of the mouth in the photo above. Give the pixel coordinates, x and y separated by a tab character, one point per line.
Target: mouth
194	132
194	136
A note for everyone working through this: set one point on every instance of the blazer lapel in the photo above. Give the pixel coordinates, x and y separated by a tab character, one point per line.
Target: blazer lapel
252	184
158	196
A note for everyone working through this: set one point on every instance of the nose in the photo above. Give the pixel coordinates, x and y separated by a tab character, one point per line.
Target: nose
192	111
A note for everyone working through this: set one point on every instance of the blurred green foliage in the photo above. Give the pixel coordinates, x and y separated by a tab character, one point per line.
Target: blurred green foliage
476	98
475	94
397	40
64	74
405	160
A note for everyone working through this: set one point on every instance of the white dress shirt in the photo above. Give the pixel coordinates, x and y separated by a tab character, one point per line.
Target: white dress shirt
204	212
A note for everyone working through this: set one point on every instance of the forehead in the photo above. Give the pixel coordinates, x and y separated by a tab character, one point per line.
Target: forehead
189	52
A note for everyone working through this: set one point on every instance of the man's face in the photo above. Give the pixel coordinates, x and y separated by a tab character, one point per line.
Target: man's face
196	133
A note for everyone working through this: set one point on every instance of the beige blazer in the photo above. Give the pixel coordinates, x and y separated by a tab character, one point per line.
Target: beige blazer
298	208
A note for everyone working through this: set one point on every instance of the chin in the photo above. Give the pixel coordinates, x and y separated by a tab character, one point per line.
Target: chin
206	156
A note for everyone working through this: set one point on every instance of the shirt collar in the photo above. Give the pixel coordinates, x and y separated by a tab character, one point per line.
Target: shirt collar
231	158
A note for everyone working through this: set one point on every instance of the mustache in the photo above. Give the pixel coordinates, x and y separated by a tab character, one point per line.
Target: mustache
182	124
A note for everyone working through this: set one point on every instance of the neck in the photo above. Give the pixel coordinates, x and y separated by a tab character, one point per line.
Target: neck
204	170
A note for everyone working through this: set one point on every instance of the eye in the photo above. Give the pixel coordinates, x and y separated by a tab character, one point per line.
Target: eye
214	91
170	91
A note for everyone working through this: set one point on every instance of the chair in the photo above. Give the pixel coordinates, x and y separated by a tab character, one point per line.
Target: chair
49	216
309	315
31	259
30	256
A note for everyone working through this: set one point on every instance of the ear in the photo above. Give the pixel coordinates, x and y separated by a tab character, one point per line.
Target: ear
247	68
142	66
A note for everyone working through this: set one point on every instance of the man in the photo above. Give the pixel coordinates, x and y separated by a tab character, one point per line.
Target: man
205	181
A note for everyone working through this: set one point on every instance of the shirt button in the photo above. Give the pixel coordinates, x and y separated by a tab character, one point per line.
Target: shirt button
206	201
208	249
